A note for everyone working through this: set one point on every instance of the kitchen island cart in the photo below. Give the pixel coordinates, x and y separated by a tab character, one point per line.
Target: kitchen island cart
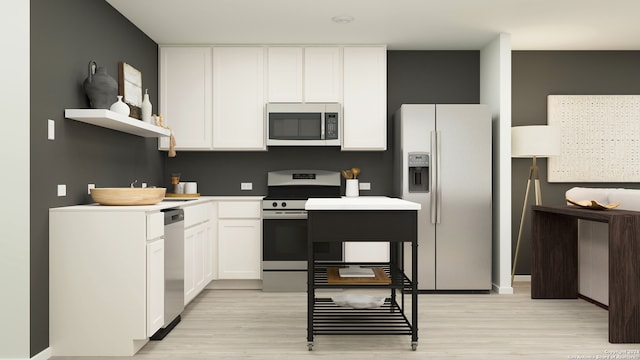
370	219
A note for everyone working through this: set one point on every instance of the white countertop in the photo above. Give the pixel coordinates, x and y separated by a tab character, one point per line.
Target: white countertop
165	204
361	203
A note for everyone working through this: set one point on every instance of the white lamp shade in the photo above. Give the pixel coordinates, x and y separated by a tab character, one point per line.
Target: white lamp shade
535	140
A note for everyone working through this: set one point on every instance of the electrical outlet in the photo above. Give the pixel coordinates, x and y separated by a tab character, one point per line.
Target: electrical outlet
365	186
143	185
89	187
51	129
62	190
246	186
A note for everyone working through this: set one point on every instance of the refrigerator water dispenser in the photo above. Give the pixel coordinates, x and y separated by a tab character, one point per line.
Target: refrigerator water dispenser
418	172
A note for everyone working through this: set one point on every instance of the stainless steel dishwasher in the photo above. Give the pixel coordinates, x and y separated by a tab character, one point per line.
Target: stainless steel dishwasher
173	270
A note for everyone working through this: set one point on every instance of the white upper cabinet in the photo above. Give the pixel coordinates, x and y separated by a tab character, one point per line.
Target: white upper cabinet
238	98
322	74
185	96
365	98
304	74
213	98
284	71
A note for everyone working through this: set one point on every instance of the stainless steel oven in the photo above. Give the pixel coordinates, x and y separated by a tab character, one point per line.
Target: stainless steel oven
284	228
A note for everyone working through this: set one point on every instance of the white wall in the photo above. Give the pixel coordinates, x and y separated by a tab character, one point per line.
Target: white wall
14	226
495	91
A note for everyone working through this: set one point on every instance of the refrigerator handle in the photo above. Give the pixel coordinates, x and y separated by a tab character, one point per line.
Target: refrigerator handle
432	176
438	178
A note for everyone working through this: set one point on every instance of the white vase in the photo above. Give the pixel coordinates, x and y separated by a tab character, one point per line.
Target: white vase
120	107
146	108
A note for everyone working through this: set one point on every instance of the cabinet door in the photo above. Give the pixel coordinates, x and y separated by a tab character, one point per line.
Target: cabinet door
194	239
238	98
208	253
322	74
200	234
211	258
185	96
365	98
155	286
284	74
239	244
189	265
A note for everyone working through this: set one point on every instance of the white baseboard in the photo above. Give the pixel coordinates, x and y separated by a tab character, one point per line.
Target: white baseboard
504	290
43	355
235	285
522	278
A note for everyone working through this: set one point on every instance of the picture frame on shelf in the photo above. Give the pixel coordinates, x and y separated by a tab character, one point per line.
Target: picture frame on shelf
130	87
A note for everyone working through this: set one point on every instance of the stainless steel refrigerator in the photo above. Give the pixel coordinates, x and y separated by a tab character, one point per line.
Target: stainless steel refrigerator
442	160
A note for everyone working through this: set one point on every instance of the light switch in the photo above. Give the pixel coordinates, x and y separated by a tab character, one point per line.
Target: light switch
62	190
246	186
51	129
89	187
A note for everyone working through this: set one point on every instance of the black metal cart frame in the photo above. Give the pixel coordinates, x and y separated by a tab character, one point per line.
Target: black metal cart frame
394	226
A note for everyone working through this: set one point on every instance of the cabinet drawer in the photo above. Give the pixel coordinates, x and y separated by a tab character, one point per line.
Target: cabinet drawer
155	225
239	210
196	214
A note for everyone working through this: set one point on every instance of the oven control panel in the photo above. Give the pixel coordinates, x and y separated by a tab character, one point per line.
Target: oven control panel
283	204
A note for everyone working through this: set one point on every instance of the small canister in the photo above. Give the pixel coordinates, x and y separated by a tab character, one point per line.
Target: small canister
190	187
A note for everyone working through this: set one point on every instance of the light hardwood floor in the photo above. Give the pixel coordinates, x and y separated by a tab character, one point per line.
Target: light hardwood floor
250	324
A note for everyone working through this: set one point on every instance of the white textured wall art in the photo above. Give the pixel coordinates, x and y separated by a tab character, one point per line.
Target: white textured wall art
600	138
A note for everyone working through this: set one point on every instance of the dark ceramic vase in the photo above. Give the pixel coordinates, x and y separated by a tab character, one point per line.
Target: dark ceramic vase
101	88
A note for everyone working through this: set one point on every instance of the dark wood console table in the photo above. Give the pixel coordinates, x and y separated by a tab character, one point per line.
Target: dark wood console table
554	267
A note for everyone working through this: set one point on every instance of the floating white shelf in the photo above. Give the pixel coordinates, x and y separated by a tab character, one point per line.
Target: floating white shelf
112	120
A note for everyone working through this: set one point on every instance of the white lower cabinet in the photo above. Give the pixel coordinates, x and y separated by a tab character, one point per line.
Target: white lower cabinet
155	285
211	246
239	240
239	245
106	276
190	260
198	245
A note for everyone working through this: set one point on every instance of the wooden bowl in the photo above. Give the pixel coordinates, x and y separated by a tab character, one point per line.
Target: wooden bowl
128	196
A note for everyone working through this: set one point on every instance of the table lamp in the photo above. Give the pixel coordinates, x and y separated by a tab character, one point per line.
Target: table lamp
532	142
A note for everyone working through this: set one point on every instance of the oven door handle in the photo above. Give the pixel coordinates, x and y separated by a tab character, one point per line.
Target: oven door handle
284	215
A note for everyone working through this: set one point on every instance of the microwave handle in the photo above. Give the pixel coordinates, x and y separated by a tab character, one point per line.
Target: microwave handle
322	127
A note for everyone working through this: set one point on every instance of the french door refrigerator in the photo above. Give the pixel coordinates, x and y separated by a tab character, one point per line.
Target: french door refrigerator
442	160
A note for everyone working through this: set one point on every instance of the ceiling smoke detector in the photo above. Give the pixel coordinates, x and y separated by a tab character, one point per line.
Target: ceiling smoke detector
342	19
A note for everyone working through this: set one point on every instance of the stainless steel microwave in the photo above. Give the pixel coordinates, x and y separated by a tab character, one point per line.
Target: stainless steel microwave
298	124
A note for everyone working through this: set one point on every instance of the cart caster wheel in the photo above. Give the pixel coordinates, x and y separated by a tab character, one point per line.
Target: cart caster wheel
414	346
310	345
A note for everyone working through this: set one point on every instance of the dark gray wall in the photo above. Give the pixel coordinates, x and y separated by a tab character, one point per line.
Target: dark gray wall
65	36
536	74
412	77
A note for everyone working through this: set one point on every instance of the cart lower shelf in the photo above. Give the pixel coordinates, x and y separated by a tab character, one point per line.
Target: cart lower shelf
330	319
